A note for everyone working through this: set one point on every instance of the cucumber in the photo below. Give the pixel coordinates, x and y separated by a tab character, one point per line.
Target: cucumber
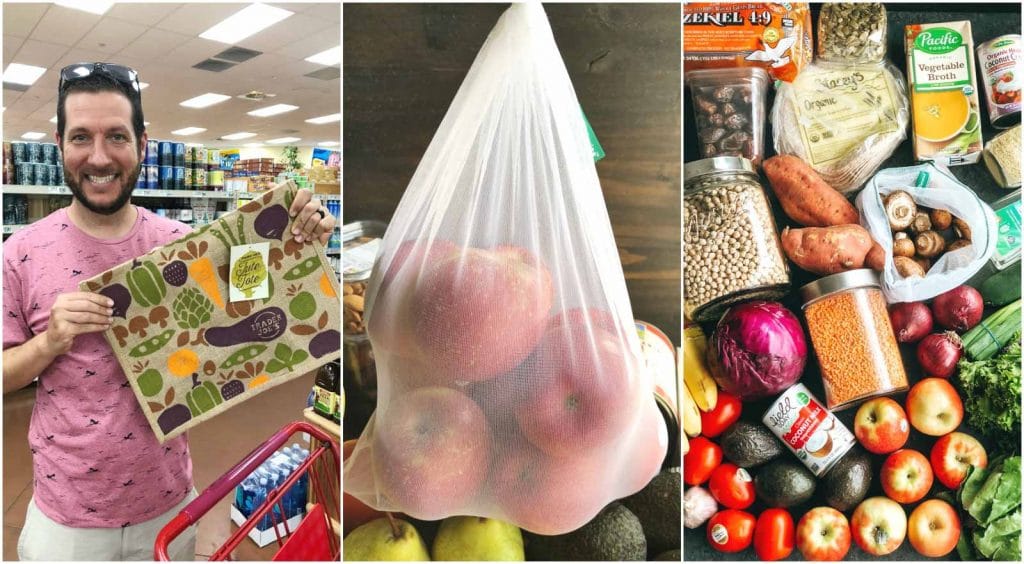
1002	287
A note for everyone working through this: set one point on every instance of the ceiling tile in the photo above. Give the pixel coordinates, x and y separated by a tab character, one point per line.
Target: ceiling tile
154	44
193	19
147	14
111	35
39	53
279	35
64	26
21	19
10	47
312	44
324	11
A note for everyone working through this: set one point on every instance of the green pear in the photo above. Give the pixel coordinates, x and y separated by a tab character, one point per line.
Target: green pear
377	541
478	538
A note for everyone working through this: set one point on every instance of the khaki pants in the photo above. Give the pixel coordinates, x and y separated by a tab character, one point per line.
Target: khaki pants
44	539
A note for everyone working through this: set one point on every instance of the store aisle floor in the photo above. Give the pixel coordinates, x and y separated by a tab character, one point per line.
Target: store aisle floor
220	445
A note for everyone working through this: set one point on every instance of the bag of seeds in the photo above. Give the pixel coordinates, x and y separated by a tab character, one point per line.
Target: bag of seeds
508	364
929	187
852	32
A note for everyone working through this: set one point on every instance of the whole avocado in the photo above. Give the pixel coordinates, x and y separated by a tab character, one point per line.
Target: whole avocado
615	534
784	483
847	483
659	507
750	444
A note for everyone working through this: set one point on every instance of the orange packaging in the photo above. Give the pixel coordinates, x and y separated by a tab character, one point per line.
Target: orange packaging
775	37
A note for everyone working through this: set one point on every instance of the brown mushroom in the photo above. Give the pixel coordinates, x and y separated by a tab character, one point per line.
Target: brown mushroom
137	325
941	219
921	223
907	267
899	209
958	244
121	333
929	244
961	228
902	246
924	263
159	316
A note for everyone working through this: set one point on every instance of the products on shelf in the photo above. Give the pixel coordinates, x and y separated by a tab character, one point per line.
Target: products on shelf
260	485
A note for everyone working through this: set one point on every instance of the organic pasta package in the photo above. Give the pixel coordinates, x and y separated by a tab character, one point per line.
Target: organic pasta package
508	365
843	119
770	35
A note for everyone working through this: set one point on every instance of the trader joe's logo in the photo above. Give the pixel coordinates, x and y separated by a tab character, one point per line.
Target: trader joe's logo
939	40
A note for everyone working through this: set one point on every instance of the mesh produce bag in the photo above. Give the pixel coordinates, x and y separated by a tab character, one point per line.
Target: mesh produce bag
509	381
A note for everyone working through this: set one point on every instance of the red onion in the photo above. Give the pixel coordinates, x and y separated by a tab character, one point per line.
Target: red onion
911	321
938	354
959	309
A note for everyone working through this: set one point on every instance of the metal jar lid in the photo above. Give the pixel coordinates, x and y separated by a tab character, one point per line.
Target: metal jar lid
704	167
848	280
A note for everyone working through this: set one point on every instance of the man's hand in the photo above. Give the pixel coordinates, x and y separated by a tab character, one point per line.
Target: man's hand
308	224
73	314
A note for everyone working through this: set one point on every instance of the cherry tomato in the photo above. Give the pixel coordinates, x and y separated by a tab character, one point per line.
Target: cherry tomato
704	456
774	535
732	486
726	412
730	530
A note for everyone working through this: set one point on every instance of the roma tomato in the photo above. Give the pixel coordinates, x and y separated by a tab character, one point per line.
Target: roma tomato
730	530
774	535
704	456
726	412
732	486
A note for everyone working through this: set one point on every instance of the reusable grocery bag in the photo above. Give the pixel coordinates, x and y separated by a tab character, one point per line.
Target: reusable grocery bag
509	380
943	191
189	352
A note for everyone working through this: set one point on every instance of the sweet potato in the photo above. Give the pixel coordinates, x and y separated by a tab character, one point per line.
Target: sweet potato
805	197
875	259
827	250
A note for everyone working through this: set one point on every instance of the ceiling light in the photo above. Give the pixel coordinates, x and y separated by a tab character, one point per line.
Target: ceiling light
327	144
193	144
188	131
325	119
237	136
143	85
250	20
53	119
280	140
91	6
273	110
205	100
145	123
254	144
17	73
33	135
329	57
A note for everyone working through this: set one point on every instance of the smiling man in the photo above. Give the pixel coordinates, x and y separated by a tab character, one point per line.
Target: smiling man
103	485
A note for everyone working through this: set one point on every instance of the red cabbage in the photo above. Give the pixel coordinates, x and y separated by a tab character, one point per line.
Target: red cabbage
757	350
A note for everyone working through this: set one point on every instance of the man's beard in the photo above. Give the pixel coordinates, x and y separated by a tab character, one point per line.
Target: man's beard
122	198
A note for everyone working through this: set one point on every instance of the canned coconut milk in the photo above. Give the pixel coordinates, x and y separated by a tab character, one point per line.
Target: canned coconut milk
810	431
659	361
1000	62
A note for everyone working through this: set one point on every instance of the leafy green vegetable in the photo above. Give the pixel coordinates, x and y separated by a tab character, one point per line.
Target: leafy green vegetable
991	395
992	499
972	483
1001	539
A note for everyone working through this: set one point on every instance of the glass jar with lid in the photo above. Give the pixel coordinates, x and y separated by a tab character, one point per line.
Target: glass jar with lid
732	250
852	338
361	240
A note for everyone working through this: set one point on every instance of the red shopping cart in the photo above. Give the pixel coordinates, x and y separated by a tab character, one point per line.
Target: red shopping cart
317	536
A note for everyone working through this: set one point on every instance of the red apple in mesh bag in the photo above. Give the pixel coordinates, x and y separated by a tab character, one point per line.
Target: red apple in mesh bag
431	451
477	313
644	449
583	393
549	495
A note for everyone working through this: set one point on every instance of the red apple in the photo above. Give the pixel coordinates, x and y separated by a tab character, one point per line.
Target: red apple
879	525
548	495
644	449
881	426
906	476
431	451
934	528
934	407
953	455
583	393
823	534
477	313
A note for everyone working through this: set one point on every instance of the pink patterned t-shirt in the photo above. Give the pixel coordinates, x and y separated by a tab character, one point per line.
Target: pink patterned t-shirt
96	461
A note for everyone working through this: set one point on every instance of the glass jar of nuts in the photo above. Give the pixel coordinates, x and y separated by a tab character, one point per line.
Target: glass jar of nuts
361	240
732	250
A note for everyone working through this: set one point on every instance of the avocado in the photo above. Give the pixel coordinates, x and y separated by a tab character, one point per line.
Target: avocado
659	506
846	484
784	483
615	534
669	556
750	444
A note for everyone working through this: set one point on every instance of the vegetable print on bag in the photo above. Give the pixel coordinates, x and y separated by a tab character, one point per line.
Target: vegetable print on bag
190	353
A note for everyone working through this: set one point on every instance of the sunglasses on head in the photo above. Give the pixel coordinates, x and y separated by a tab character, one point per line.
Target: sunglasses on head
126	76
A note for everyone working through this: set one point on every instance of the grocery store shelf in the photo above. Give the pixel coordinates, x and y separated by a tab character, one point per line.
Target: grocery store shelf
327	425
139	192
254	195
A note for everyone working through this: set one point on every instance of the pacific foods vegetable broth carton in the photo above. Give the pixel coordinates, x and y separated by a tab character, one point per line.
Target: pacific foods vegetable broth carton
943	92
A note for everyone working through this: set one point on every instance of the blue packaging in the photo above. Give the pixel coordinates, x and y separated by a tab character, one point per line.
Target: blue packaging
24	173
49	153
166	178
19	152
40	174
179	154
152	176
166	153
152	152
179	177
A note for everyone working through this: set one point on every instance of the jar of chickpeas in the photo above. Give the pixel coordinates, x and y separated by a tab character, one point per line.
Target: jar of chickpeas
731	248
852	338
361	240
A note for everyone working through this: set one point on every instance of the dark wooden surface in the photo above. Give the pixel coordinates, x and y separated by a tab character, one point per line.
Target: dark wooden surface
987	21
404	63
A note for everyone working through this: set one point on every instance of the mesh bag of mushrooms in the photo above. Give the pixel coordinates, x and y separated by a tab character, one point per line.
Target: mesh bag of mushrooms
935	235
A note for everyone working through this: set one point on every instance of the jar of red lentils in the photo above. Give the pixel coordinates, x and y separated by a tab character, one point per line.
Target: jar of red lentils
852	338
